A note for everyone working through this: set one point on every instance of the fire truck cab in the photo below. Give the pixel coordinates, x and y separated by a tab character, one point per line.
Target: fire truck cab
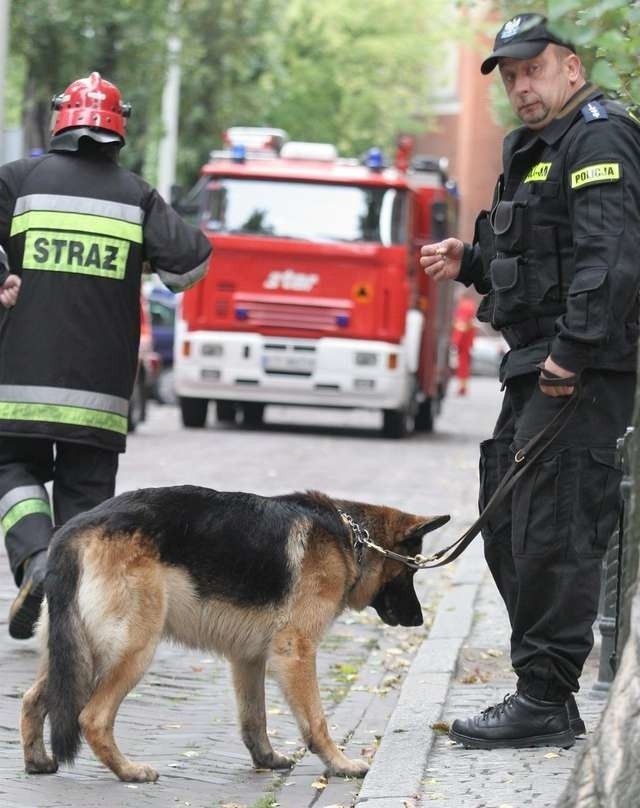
314	294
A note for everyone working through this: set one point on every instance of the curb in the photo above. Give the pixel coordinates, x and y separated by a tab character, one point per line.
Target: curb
398	766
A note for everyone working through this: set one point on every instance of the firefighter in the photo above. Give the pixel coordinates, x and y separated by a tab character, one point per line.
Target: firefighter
77	229
462	338
556	259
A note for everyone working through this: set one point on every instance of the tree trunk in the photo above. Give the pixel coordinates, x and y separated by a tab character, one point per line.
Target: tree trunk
607	774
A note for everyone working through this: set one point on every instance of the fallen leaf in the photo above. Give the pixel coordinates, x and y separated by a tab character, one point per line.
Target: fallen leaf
552	755
320	784
440	726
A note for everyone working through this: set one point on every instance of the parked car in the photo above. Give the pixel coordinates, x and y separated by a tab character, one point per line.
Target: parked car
486	353
149	366
162	309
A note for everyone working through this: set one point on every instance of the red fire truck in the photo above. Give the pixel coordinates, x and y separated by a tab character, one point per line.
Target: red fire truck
314	296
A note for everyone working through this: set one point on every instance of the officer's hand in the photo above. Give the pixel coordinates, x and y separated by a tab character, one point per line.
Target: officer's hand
554	371
9	291
441	261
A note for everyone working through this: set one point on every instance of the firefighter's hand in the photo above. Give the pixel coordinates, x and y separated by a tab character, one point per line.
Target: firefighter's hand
442	261
556	372
9	291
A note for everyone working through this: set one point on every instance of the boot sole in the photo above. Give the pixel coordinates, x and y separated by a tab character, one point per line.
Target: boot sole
562	739
25	610
578	727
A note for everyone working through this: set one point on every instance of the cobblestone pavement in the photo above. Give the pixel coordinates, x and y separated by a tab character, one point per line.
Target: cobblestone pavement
382	687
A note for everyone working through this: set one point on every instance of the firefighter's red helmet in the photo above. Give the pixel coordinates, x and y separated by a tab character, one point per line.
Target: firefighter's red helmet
91	103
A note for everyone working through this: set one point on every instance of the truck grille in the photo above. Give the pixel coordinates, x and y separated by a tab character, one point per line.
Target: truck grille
332	317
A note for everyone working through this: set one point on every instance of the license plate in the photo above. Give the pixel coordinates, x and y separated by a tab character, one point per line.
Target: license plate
288	363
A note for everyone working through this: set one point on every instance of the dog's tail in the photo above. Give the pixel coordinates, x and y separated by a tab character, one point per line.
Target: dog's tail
71	670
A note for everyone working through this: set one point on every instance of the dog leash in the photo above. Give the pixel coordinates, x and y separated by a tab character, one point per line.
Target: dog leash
524	458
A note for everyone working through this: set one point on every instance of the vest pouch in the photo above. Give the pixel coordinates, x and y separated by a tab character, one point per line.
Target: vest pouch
509	291
509	223
483	236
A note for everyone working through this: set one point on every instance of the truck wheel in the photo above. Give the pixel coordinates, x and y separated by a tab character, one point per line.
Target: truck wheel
194	411
225	412
424	416
137	403
396	423
252	413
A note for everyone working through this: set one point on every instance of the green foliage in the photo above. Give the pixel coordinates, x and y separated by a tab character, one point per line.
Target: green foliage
355	74
53	42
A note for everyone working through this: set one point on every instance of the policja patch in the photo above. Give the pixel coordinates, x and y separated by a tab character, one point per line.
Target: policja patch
601	172
594	111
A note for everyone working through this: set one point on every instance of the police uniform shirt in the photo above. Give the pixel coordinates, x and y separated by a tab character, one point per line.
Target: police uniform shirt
568	279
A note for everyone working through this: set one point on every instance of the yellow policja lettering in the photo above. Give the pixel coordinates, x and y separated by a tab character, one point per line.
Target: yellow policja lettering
601	172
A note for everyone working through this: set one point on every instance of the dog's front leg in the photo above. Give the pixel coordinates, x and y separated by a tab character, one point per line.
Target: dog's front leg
34	711
248	681
294	664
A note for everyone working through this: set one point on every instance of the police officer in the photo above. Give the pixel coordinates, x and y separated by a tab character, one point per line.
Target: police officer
557	260
77	229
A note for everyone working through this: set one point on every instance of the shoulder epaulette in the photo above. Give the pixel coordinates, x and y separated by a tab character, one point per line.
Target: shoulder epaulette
594	111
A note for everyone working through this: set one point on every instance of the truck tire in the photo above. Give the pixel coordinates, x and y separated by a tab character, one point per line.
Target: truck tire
252	413
194	411
397	423
424	416
225	412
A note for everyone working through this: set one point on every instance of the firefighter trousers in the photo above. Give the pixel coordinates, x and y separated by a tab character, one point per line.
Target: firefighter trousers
545	544
83	476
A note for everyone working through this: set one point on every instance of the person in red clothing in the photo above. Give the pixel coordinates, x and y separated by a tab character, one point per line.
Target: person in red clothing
462	336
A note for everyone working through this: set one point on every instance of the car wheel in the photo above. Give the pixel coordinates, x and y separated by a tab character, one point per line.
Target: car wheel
252	413
225	412
137	403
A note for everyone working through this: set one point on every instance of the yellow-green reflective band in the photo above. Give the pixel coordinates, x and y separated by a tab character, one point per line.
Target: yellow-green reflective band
22	509
538	173
77	416
601	172
76	222
72	252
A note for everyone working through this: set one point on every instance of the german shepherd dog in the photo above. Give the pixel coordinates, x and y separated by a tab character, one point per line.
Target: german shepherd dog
256	579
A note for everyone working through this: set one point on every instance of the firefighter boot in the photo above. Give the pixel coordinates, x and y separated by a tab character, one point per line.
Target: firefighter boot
518	721
25	609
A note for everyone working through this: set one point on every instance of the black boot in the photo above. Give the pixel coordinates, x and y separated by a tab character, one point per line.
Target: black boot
25	609
575	720
516	722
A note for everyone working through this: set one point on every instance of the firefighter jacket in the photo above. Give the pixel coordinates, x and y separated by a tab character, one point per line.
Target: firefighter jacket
558	255
78	229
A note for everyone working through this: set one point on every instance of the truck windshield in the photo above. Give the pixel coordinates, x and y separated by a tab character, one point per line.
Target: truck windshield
308	211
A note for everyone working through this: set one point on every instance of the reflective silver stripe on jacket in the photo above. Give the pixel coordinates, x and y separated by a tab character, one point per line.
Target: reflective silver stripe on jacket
31	394
178	283
20	494
79	204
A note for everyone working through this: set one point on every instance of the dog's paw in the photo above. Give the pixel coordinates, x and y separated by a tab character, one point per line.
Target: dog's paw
350	768
274	761
44	765
142	773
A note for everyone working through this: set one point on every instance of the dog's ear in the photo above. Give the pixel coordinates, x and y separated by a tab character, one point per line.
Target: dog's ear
418	530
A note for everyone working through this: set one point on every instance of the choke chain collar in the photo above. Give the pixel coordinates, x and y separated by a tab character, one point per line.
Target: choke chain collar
361	539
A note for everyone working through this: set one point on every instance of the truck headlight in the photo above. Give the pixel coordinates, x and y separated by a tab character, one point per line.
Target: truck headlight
364	358
212	349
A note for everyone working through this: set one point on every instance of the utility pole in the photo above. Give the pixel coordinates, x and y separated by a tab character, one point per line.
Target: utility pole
4	53
170	107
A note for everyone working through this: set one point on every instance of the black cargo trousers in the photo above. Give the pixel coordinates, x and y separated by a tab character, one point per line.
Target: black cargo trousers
545	544
83	476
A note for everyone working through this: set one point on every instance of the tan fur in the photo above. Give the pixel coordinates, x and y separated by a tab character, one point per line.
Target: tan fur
128	600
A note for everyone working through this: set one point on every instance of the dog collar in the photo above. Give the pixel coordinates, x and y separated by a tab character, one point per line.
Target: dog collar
360	539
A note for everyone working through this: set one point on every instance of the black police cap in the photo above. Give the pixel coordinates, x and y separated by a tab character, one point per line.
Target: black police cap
522	37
